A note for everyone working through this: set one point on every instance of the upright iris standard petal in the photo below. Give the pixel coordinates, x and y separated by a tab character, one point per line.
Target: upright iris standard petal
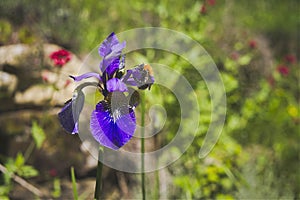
69	114
113	67
110	50
112	127
107	60
106	46
116	50
117	64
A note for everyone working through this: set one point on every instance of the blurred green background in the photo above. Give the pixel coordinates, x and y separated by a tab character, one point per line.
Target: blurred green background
255	45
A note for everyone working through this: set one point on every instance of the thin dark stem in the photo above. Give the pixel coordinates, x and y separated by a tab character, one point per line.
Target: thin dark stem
143	144
156	189
98	187
29	150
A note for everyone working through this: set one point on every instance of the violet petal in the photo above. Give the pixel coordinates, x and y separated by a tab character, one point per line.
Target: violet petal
116	85
69	114
112	128
106	46
86	75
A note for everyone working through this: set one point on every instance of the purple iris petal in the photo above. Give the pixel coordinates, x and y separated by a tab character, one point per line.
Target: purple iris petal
112	128
105	47
118	63
110	50
116	50
113	67
75	130
116	85
69	114
86	75
66	118
104	64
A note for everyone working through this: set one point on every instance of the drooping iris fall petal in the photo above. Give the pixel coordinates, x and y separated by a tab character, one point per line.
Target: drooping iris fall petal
69	114
112	127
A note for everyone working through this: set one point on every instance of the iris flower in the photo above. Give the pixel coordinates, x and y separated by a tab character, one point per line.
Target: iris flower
113	121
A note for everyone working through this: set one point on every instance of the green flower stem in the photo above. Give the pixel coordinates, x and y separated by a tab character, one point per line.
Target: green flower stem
98	187
143	143
75	193
156	189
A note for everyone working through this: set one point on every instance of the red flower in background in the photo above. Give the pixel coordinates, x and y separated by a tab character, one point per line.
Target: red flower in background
252	44
282	69
211	2
67	83
234	55
203	9
53	172
290	59
45	77
60	57
271	81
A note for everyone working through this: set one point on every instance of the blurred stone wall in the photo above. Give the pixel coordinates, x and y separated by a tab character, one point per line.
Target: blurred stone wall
33	89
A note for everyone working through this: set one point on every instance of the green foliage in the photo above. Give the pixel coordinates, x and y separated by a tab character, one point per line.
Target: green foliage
269	14
56	193
75	193
5	31
14	167
38	134
19	167
4	191
271	119
215	176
